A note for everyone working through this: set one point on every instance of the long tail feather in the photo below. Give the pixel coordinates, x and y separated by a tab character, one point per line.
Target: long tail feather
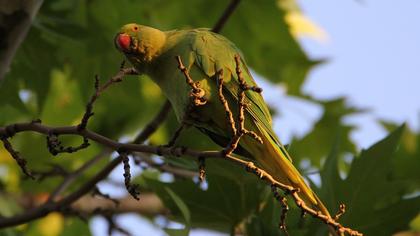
276	162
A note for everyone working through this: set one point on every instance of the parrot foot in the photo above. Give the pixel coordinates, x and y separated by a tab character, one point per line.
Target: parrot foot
202	169
196	93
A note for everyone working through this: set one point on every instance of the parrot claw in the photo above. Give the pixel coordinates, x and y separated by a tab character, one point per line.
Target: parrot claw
198	96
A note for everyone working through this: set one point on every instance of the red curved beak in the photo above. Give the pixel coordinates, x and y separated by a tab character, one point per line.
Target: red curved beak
123	41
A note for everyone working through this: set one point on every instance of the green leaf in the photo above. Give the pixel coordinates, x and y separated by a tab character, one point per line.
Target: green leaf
407	161
183	209
266	221
327	130
75	226
177	232
64	99
260	31
231	196
331	179
373	194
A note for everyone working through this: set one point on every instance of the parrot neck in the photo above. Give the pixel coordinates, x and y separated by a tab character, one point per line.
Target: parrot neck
151	43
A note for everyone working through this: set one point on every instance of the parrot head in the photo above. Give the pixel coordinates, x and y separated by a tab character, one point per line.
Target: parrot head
140	42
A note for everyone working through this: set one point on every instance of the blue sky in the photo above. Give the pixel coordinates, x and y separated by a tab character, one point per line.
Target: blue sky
373	58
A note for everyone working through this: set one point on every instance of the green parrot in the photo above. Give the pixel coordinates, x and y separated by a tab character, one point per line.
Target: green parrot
204	53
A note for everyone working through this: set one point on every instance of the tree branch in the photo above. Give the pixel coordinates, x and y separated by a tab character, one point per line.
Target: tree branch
71	177
19	160
48	207
150	205
16	18
99	89
129	147
165	167
152	126
51	205
225	16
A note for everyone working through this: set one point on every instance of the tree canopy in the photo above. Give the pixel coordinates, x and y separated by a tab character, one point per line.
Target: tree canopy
51	78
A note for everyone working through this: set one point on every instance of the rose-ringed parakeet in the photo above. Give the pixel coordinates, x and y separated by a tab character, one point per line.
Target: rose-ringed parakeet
204	53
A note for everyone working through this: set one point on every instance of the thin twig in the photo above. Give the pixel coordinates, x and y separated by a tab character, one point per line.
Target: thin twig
165	167
55	146
99	89
223	100
14	31
340	212
70	211
240	123
97	192
197	93
263	175
225	16
71	177
48	207
112	225
284	207
241	97
176	135
55	170
132	189
152	126
19	160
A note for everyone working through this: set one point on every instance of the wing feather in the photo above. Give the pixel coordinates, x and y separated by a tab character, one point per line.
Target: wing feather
214	52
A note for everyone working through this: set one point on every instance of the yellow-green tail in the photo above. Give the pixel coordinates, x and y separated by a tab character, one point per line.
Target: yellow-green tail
276	162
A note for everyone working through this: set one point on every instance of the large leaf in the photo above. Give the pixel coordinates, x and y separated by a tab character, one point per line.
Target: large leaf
185	212
325	133
373	193
407	162
231	196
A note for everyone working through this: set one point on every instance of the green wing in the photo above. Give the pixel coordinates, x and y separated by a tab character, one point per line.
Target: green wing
213	52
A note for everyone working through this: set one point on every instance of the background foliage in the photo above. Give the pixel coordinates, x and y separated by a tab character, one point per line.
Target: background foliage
71	40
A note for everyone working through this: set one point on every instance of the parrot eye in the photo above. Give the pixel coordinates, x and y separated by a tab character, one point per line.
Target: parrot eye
135	28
